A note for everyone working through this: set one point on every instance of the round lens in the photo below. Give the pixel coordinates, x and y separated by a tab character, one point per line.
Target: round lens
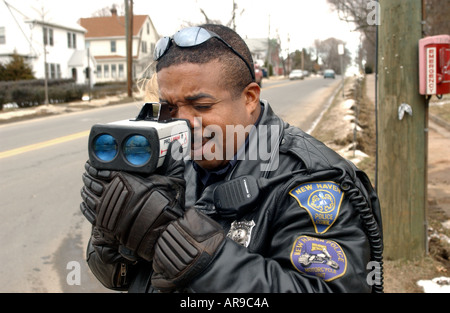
137	150
190	37
161	47
105	147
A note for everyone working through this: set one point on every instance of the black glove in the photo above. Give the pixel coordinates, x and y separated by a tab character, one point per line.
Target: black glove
185	249
132	209
109	250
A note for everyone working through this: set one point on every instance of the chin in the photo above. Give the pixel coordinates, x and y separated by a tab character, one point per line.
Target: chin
211	165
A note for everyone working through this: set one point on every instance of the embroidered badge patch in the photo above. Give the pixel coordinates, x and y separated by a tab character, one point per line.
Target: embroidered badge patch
322	201
318	257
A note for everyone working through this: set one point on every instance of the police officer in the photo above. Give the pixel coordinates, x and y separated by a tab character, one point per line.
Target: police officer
314	226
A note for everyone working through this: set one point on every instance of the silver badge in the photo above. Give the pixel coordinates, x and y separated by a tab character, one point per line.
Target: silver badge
241	232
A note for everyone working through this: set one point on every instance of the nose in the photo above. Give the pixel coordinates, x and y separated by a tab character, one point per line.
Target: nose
187	113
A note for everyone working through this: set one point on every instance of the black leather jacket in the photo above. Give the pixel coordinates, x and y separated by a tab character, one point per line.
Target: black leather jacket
305	234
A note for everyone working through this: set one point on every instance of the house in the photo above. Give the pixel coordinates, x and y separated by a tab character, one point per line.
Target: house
106	39
55	48
263	53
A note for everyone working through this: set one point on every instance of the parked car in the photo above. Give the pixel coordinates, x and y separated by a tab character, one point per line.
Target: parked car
329	74
296	74
258	74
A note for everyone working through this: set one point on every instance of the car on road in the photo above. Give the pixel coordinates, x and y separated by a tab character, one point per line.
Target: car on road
258	74
296	74
329	74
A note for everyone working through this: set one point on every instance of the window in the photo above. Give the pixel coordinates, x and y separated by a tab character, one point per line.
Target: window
121	71
106	70
48	36
113	70
52	71
144	47
113	46
148	28
2	36
99	71
71	40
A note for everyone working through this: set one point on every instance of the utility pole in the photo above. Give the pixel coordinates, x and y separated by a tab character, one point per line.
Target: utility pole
46	39
129	41
402	138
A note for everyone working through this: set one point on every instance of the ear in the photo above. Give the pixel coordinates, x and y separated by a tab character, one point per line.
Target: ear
251	94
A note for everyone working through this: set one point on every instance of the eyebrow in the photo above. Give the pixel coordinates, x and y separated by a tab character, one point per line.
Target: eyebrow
199	96
195	97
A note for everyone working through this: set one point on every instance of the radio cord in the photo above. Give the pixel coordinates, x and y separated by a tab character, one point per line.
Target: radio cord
371	228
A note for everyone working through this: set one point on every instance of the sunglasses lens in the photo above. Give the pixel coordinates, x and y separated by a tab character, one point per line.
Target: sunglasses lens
192	36
161	47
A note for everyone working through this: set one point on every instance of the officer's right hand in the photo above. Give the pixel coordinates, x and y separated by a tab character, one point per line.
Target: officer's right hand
133	209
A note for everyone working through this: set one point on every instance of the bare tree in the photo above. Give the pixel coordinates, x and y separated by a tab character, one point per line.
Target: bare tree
106	11
328	52
436	16
356	12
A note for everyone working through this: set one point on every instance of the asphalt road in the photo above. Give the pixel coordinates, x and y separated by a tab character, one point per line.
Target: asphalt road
43	234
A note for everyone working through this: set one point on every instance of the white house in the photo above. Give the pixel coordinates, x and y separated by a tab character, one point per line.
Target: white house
47	45
106	39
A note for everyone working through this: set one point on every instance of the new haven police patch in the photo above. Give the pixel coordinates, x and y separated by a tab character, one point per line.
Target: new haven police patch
322	201
318	257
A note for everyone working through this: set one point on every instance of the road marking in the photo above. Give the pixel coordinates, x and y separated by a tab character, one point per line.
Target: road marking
278	85
44	144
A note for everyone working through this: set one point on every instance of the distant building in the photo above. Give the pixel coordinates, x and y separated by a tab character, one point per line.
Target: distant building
106	40
264	54
30	36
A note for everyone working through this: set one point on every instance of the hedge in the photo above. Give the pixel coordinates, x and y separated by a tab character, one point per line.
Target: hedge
32	92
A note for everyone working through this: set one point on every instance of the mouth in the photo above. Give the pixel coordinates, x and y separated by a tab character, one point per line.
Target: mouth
197	140
198	144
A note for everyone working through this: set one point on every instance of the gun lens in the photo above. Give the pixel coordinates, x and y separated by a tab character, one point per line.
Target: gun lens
137	150
105	147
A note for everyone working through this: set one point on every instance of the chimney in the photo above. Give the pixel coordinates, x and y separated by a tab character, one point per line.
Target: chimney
114	10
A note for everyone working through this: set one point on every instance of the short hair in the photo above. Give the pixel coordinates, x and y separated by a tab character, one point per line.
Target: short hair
236	73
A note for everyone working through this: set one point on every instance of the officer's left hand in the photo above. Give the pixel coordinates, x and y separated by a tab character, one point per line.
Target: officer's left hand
185	249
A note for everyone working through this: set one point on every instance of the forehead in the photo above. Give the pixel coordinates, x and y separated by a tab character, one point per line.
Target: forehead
189	77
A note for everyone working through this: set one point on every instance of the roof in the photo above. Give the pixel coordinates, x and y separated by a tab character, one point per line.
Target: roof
111	57
22	12
77	58
110	26
256	44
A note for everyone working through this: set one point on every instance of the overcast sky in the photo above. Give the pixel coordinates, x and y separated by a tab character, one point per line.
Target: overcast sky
302	21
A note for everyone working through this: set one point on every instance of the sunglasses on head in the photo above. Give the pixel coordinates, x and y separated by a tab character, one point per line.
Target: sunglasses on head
191	37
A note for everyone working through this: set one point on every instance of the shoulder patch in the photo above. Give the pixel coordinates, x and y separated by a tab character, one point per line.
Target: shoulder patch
322	258
322	201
